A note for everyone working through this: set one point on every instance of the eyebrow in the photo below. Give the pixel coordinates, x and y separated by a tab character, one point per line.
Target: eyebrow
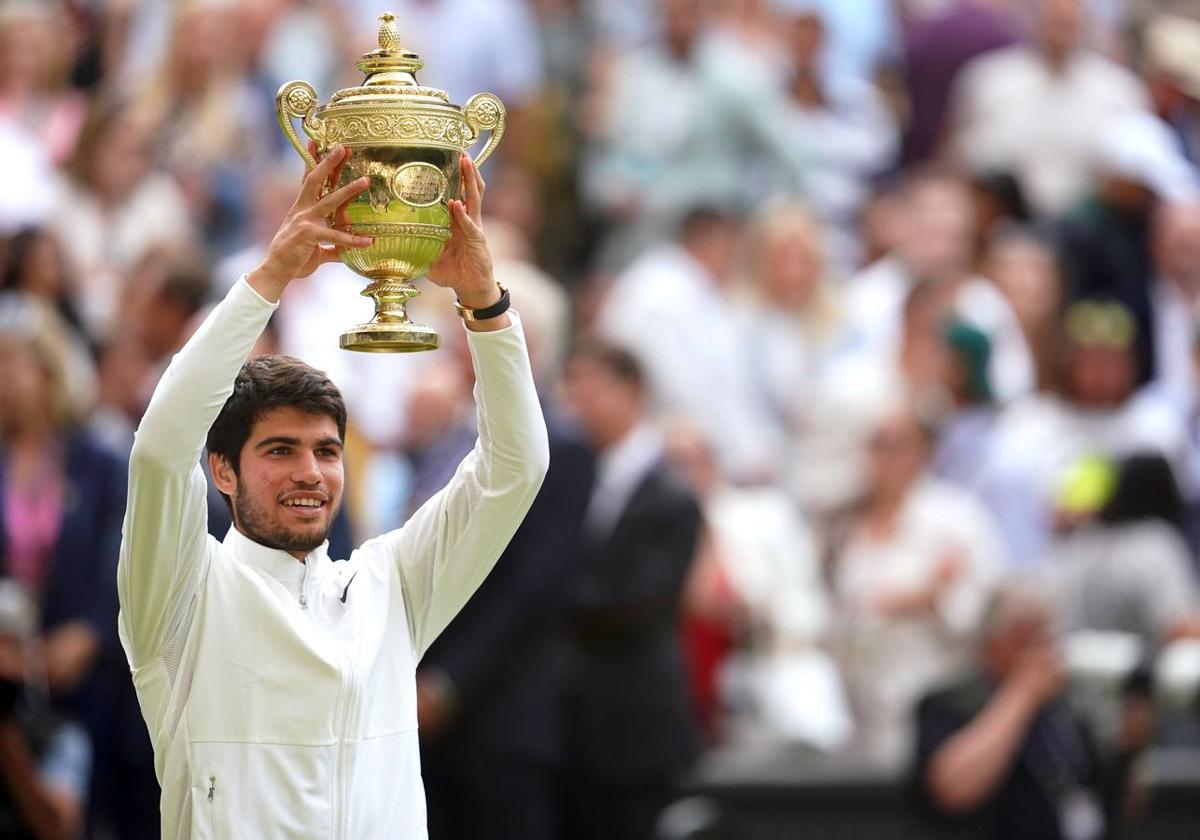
276	440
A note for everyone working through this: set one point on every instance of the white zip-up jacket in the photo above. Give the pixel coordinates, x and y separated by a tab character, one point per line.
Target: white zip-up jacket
280	694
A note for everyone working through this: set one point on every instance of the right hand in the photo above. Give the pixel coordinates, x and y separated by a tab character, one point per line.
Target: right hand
304	240
1039	675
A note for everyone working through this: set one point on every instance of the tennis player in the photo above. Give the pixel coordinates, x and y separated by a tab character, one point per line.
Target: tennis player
277	684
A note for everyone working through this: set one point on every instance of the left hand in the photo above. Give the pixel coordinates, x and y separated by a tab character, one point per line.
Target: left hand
466	263
70	651
435	703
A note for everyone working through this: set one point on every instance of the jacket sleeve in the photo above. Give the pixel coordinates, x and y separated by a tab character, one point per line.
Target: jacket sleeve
451	543
530	586
163	544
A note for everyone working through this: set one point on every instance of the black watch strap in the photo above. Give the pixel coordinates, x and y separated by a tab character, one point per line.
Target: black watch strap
494	311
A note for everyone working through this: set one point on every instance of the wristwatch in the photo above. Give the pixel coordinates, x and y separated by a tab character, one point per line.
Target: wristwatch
494	311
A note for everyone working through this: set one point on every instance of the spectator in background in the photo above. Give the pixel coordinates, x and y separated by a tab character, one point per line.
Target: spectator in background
1175	297
166	291
665	309
834	133
1034	108
794	319
1025	269
631	728
757	611
45	761
863	37
936	245
35	63
114	209
937	47
36	264
212	125
1105	242
125	377
1171	45
912	566
62	497
965	453
1189	474
1094	412
1128	569
999	205
667	134
1001	749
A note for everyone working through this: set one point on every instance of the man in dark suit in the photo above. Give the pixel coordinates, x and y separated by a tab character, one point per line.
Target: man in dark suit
490	689
631	726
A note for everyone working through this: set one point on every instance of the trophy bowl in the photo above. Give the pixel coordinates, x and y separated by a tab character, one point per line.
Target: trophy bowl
407	140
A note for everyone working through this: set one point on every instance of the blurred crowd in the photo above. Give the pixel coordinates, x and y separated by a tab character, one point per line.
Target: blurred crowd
868	335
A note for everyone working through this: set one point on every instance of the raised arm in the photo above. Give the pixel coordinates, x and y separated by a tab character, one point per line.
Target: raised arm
163	539
444	552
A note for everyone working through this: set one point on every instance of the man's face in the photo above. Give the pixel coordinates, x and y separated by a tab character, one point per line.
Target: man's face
290	486
1100	376
605	406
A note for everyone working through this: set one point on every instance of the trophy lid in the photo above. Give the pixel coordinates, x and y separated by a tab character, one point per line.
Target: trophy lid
390	69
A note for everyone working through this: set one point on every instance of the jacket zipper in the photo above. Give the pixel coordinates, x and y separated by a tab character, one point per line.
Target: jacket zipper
304	585
212	807
345	728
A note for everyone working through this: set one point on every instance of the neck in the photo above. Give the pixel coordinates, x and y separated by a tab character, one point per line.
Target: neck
614	436
883	505
1057	58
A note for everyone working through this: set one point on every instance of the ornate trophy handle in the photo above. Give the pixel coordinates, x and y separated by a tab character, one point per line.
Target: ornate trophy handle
485	112
299	99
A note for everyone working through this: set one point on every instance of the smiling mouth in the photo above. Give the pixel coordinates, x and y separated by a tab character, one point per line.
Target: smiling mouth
304	504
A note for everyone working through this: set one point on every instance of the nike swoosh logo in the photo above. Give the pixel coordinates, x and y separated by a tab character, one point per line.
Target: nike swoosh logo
347	589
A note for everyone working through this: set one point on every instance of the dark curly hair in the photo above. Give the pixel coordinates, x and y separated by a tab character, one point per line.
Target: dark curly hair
266	383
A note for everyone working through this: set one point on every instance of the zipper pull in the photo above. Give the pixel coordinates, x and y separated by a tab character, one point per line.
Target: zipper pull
304	585
212	787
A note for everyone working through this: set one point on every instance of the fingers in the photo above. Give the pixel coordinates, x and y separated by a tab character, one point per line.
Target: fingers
470	226
329	236
473	187
332	253
340	196
313	182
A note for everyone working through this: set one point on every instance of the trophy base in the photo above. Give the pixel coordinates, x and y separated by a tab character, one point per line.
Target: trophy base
382	337
389	331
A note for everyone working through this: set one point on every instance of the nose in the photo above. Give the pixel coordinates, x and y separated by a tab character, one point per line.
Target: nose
307	470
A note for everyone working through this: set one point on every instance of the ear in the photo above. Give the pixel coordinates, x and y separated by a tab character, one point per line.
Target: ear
223	475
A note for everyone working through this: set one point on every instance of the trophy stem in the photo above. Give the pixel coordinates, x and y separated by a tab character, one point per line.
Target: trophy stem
391	330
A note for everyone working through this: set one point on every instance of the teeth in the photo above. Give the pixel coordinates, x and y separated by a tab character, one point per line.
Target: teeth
304	503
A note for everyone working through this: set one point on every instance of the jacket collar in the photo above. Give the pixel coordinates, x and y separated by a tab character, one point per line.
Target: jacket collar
275	562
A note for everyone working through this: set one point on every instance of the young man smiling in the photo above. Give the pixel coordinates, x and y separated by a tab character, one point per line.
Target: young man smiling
281	699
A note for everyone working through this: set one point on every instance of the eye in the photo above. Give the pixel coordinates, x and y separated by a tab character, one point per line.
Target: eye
279	450
327	452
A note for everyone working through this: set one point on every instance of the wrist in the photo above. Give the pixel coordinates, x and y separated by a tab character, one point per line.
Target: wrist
479	296
267	283
1024	696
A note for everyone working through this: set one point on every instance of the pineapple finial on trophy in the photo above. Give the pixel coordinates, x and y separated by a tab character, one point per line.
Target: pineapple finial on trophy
389	38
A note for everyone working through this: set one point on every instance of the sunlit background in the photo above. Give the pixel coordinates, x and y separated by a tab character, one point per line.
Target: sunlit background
868	332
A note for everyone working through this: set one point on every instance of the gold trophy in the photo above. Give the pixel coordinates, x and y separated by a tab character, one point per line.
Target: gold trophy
407	140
